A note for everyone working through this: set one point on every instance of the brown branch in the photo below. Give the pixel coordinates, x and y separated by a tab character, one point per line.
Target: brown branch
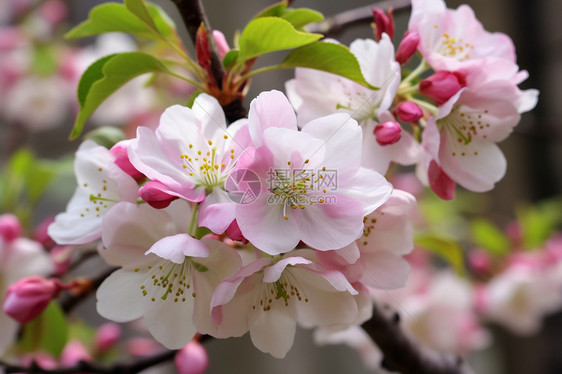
337	24
193	14
69	300
402	354
90	367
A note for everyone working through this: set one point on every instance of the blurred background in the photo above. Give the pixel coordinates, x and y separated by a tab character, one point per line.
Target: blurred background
534	154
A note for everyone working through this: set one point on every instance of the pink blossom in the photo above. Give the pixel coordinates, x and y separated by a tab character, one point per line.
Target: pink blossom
407	47
28	297
107	335
73	353
192	359
442	85
312	187
268	298
388	133
222	44
119	151
451	39
10	227
384	23
408	111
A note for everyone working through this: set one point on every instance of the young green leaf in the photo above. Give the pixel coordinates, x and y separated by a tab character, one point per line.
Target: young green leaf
113	17
92	74
447	249
230	58
48	332
302	16
274	10
269	34
138	8
117	70
489	237
328	57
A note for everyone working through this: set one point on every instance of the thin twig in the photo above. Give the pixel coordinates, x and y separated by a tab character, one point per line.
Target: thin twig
402	354
69	300
333	26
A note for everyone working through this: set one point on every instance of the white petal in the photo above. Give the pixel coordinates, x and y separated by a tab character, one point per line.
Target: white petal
177	247
273	331
119	296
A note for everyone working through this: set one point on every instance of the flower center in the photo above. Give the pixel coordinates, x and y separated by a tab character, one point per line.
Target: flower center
168	279
452	47
206	165
280	292
463	125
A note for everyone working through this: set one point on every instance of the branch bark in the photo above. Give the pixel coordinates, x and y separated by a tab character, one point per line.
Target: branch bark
402	354
335	25
193	14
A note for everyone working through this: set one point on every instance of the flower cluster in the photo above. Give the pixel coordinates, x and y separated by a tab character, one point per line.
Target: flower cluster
253	227
457	103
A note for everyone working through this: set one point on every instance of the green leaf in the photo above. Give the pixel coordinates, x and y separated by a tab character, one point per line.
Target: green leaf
302	16
230	58
329	57
113	17
90	76
48	332
269	34
539	222
138	8
44	62
489	237
447	249
117	70
274	10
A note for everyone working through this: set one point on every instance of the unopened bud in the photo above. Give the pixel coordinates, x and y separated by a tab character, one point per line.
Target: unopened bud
407	47
442	85
222	44
119	151
106	336
440	182
74	352
28	297
154	194
388	133
233	231
10	227
384	23
408	111
192	359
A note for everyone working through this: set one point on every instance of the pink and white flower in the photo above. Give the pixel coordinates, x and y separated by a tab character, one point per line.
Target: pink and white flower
368	107
269	296
451	39
166	276
313	187
101	184
190	155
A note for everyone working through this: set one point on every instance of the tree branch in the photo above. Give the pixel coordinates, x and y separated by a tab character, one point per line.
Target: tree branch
70	300
193	14
337	24
402	354
90	367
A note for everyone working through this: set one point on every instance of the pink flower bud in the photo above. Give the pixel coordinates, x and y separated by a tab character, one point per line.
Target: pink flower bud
442	85
119	151
10	227
73	353
388	133
192	359
480	261
106	336
142	347
407	47
408	111
222	44
53	11
384	22
440	182
234	233
154	194
28	297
